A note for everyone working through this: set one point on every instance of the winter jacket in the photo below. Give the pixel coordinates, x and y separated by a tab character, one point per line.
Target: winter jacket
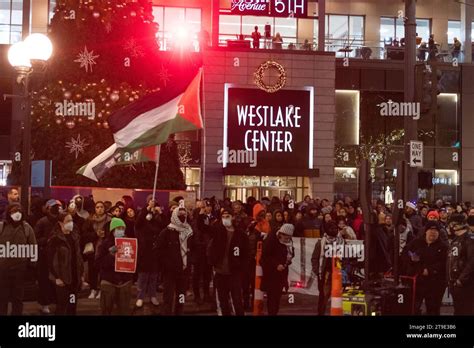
89	232
15	234
61	255
275	253
312	223
44	231
105	262
432	257
461	260
416	224
203	236
148	233
169	251
238	251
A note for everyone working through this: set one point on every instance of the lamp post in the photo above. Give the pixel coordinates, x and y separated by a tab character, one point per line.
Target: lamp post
26	57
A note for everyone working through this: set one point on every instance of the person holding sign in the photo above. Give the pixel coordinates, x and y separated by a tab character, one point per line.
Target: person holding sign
115	287
66	267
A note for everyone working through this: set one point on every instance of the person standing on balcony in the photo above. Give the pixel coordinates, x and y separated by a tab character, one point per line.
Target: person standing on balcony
256	36
277	42
456	48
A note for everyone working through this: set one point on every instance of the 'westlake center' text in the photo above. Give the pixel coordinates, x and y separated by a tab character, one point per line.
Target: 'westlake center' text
266	116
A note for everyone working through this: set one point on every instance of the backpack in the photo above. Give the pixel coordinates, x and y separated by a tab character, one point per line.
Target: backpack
26	231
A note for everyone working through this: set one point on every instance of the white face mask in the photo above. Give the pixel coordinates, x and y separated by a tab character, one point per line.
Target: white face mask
16	216
119	233
227	222
68	226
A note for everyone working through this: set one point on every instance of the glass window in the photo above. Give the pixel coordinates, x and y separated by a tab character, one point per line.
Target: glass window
446	120
356	27
10	21
341	31
347	120
52	6
229	25
454	30
423	28
249	22
178	25
287	29
387	29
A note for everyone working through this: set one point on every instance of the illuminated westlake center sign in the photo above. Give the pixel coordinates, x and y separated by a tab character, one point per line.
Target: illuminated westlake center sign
268	116
275	8
278	127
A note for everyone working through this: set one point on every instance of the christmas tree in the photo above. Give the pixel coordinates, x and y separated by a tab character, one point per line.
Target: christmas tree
105	57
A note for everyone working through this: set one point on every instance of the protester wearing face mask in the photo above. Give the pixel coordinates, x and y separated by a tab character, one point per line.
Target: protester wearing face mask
173	248
115	287
43	232
66	268
15	231
277	254
148	228
461	265
92	236
322	264
228	254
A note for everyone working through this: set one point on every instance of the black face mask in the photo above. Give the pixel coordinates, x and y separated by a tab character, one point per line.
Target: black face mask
182	218
54	211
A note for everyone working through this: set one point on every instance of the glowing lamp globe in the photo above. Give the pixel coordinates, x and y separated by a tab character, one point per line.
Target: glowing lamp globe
39	47
18	55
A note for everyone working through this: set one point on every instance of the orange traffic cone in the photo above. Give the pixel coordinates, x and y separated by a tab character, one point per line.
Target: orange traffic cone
336	287
258	294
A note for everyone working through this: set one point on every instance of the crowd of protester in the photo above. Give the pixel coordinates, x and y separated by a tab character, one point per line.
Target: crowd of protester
216	243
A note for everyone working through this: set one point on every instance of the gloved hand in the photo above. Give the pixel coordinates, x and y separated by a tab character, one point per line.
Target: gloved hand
113	250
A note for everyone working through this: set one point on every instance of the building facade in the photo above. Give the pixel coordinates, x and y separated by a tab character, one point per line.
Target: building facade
360	70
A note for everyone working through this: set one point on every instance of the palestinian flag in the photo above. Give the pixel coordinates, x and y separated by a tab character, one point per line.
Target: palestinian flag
151	120
114	156
139	127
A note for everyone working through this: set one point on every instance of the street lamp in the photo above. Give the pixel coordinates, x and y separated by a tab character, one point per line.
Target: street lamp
26	57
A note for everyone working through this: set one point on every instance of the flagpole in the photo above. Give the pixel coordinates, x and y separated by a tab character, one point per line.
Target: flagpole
156	170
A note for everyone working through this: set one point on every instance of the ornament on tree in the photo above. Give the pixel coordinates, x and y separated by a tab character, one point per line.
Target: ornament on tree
67	95
133	48
86	59
77	145
163	75
105	125
70	124
114	97
59	121
108	27
96	14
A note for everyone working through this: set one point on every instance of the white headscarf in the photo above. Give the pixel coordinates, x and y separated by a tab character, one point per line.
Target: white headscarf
185	231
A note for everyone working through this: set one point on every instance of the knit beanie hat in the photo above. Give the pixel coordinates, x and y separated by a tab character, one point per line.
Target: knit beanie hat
116	222
287	229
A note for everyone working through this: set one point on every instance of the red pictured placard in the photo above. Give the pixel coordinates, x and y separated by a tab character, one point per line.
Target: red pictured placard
126	256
